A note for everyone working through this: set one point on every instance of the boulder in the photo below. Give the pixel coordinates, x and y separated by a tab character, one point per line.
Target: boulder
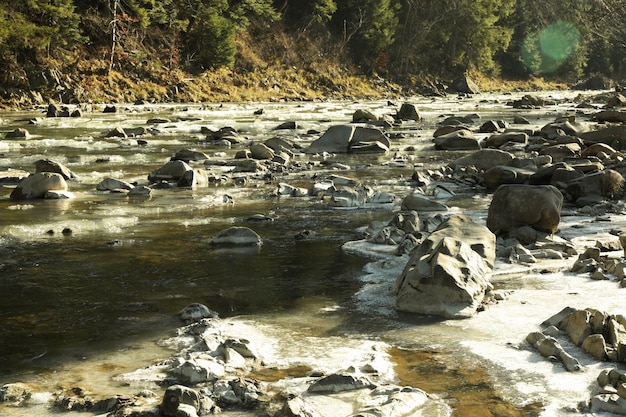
112	184
140	192
613	135
562	151
419	202
47	165
361	115
237	236
175	395
408	112
37	185
350	138
19	133
172	170
517	205
190	155
458	140
502	174
196	312
606	183
261	151
497	140
483	159
464	84
448	274
336	139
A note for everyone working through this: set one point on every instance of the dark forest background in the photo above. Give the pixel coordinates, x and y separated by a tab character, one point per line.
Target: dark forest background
46	44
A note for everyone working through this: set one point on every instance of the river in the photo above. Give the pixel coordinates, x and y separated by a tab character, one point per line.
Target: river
88	285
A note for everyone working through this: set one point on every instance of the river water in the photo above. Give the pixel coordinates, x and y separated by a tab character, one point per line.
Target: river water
80	308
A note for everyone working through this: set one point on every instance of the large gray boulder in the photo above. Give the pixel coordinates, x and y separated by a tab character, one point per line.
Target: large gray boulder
448	274
483	159
458	140
38	185
47	165
518	205
605	183
172	170
351	138
237	236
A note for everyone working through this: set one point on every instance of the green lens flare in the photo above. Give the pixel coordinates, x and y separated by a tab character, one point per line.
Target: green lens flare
559	40
545	51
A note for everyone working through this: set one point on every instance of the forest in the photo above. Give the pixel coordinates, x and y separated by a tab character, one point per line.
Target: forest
396	40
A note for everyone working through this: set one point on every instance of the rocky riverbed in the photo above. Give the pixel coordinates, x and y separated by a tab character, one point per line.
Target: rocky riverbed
429	256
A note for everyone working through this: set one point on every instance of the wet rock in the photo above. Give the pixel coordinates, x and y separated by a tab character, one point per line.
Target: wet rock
550	347
193	178
196	312
19	133
419	202
498	140
614	135
464	84
448	274
514	205
261	151
362	115
172	170
350	197
188	155
408	112
117	132
561	152
175	395
16	393
47	165
237	236
204	368
501	174
287	125
249	165
483	159
340	383
140	191
459	140
115	185
350	138
37	185
606	183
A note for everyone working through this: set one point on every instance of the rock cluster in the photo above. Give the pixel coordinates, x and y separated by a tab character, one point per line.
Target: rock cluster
211	372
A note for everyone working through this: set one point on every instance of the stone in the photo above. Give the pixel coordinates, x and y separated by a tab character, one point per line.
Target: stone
336	139
37	185
176	395
340	383
497	140
483	159
516	205
502	174
196	312
459	140
408	112
464	84
116	132
19	133
595	345
199	369
172	170
47	165
562	151
578	326
612	135
112	184
368	139
15	393
140	191
448	274
193	178
261	151
362	115
188	155
606	183
237	236
419	202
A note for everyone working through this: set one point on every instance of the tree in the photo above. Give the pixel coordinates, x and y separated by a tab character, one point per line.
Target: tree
368	28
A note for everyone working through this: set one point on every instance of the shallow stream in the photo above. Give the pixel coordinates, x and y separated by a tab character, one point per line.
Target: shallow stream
82	306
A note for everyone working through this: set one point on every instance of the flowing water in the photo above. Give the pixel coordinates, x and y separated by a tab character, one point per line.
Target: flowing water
88	285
